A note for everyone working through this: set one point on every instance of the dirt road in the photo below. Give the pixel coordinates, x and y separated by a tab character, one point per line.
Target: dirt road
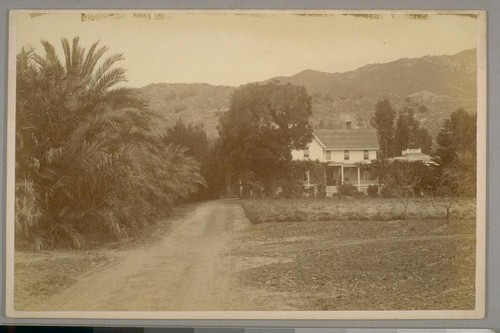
190	269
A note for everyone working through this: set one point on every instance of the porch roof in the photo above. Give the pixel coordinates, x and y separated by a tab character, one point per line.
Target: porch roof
349	163
416	157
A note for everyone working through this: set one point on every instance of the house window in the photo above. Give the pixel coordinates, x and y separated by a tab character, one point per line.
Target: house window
328	155
346	154
306	152
366	154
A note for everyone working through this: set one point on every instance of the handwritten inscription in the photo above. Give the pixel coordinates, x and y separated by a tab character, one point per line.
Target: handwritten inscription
90	17
85	17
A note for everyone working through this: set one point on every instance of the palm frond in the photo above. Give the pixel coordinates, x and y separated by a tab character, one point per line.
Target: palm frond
105	66
75	54
109	79
67	54
92	59
53	155
50	53
70	233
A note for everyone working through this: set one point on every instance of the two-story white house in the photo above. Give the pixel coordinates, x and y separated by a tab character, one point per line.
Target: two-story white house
343	150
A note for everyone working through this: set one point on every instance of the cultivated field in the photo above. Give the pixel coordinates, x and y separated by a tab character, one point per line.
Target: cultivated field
358	254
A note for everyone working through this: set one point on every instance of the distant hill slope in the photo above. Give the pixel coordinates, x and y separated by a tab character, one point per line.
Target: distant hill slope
454	76
433	86
193	102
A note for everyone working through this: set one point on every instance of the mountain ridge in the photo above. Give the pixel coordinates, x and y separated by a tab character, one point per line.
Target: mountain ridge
433	86
371	80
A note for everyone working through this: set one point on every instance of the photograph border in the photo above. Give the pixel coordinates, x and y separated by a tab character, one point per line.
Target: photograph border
482	135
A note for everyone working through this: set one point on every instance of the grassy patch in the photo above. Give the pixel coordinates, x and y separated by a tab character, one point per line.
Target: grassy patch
41	275
351	209
355	230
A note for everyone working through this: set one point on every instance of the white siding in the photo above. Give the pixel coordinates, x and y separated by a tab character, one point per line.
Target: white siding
354	156
337	156
315	152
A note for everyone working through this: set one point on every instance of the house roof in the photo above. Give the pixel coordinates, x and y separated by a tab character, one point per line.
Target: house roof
340	139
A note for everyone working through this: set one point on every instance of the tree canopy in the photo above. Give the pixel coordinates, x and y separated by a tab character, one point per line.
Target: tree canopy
383	121
457	137
206	152
409	134
264	123
89	159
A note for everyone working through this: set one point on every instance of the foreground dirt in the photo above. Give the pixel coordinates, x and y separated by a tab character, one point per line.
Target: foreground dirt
214	259
189	269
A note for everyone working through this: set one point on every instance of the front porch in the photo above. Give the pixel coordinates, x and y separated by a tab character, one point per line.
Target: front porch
338	174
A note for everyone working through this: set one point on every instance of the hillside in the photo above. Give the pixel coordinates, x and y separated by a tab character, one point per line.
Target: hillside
433	86
193	103
453	76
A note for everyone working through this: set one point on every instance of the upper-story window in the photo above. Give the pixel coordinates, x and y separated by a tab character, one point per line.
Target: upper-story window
366	154
306	152
346	154
328	155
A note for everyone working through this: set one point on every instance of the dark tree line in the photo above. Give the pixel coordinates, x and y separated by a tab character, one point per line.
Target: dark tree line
453	176
207	152
399	133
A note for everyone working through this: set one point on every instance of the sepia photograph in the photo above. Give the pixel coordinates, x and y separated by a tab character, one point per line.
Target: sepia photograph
245	164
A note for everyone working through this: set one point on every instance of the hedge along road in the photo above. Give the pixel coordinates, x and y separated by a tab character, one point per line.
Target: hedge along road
189	269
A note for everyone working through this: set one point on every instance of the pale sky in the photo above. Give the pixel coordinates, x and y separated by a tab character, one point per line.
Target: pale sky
230	49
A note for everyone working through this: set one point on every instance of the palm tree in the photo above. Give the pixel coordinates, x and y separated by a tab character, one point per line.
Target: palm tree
88	159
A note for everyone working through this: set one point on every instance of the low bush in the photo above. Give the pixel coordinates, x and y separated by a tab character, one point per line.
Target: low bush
389	191
291	188
372	191
321	191
348	190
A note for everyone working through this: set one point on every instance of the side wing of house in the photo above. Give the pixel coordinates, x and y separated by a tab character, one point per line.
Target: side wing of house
313	152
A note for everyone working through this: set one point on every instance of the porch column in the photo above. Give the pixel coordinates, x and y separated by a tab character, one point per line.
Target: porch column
359	181
341	174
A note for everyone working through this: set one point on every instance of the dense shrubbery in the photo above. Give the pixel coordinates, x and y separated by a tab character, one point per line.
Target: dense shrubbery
348	190
293	177
89	160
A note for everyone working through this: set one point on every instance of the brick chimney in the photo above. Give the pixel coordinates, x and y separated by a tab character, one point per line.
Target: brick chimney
348	122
